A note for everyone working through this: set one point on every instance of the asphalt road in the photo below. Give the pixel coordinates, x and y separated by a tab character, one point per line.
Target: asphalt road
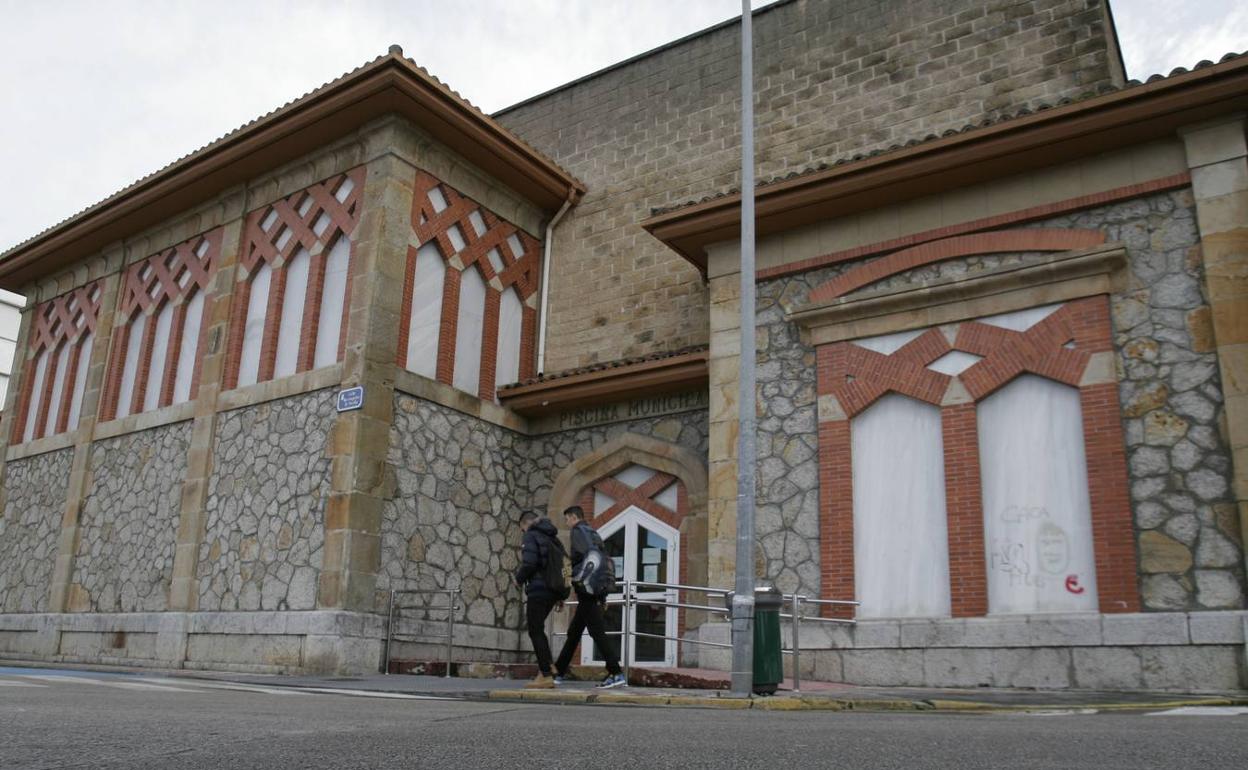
73	719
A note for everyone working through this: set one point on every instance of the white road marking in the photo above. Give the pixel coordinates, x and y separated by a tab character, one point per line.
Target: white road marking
1203	711
15	683
237	687
1055	713
118	683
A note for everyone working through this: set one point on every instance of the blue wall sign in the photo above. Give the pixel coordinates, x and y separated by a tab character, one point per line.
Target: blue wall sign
351	398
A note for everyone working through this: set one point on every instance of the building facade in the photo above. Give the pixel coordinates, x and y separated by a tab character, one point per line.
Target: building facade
999	388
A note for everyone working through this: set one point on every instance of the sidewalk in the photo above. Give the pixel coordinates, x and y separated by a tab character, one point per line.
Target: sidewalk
815	696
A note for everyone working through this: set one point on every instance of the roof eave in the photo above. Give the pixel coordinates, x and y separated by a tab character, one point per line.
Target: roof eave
618	383
1137	114
389	85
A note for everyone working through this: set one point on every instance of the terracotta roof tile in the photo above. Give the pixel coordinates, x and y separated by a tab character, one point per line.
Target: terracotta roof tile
607	365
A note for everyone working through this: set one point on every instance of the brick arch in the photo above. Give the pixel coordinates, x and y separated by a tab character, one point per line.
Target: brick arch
619	453
995	242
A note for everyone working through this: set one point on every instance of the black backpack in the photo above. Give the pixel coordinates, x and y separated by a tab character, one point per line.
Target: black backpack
596	574
557	571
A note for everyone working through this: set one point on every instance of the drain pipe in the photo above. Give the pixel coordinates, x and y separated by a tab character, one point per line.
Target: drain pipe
545	309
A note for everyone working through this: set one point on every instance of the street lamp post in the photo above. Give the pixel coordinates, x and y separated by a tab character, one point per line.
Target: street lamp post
743	597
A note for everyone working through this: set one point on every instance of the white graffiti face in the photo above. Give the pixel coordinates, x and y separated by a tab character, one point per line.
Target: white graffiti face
1052	548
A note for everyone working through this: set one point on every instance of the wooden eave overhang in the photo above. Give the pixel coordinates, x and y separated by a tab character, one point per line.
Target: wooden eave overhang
1129	116
388	85
618	383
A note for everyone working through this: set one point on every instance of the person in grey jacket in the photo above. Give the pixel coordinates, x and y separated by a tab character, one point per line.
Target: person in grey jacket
589	608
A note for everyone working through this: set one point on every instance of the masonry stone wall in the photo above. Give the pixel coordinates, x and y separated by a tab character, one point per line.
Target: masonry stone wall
833	79
129	523
1186	523
265	531
460	485
452	521
30	529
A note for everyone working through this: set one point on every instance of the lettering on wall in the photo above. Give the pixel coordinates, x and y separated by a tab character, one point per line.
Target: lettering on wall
623	411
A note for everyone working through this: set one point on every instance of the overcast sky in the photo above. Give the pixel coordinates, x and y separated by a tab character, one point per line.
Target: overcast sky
98	94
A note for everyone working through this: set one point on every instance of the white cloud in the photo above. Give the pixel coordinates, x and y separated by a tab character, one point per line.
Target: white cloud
98	95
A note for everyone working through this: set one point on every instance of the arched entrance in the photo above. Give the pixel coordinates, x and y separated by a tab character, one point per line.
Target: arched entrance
647	498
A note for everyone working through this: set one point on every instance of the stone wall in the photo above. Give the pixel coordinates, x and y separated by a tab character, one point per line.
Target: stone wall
460	485
30	529
129	524
1179	463
832	78
453	520
265	527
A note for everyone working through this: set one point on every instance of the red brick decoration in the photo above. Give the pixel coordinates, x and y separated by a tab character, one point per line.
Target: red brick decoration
173	275
63	321
1058	347
643	497
993	242
314	219
483	232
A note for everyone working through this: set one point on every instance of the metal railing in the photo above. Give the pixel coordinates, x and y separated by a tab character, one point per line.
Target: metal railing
451	606
628	599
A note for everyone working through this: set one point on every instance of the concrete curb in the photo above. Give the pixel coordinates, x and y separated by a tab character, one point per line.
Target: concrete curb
800	703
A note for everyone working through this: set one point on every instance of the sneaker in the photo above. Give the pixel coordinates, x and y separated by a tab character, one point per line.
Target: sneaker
540	682
561	678
612	680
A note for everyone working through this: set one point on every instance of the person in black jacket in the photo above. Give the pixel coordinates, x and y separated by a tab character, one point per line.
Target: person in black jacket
539	536
589	609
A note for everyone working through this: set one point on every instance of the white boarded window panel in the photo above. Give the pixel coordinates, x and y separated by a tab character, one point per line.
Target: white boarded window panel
426	320
58	389
253	332
667	498
517	248
80	380
283	239
130	370
36	396
478	223
901	553
954	362
468	336
456	237
634	475
887	344
160	354
510	321
496	260
602	502
269	220
322	224
1037	513
4	386
333	296
291	326
437	199
189	348
305	205
344	189
1021	320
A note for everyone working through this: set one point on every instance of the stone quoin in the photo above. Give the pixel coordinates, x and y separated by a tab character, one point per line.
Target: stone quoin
1002	361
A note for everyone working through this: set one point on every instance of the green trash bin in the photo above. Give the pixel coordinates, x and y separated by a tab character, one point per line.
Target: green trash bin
768	657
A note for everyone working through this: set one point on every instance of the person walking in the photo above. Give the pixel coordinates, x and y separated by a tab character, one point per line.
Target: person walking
589	607
539	543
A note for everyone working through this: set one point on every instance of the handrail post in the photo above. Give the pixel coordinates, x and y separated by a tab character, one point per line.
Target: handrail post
389	632
450	628
797	644
626	627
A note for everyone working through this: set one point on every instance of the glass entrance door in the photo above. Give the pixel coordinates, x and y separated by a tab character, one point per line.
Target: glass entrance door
644	549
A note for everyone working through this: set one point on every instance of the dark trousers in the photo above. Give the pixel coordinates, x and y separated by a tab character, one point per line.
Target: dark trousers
588	615
536	610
